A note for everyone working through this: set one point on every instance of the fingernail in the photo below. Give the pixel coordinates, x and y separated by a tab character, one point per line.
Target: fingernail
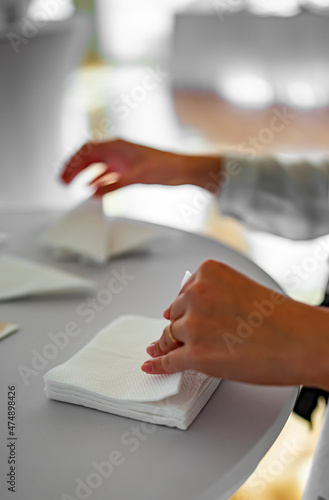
151	349
147	367
165	313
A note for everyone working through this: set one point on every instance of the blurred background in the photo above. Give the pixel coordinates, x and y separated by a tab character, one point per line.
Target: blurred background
182	75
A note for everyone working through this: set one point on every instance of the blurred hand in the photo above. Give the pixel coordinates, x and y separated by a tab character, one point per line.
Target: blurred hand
231	327
127	163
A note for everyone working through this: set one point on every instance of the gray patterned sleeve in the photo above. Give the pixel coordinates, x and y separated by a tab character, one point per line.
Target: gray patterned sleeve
289	200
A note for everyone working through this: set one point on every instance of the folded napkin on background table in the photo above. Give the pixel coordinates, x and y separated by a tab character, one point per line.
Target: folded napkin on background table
106	375
20	277
86	233
6	329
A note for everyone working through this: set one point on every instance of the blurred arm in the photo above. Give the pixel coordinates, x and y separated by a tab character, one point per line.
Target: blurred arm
286	200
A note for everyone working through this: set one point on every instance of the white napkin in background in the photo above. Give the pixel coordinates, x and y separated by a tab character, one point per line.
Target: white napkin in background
6	329
187	275
106	375
86	233
22	278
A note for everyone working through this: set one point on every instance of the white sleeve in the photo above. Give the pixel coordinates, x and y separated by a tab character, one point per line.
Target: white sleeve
287	200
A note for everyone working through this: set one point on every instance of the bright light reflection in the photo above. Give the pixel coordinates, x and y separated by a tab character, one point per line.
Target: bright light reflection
58	12
183	207
247	91
128	30
277	7
304	95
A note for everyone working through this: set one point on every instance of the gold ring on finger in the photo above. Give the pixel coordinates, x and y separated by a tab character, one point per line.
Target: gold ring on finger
175	341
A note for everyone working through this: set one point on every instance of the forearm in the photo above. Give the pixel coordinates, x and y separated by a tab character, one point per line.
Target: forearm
203	171
308	350
287	200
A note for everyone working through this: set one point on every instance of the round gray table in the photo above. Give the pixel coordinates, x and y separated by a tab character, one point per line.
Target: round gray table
66	452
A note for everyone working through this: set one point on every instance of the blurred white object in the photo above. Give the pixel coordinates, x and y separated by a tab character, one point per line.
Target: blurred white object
86	234
187	275
25	278
250	59
130	31
274	7
58	9
247	90
304	95
36	56
183	207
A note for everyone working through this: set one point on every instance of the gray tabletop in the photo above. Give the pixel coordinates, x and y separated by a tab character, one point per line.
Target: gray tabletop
66	452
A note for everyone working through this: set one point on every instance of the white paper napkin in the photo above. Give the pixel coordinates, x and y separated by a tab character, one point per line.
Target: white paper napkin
106	375
6	329
20	277
86	233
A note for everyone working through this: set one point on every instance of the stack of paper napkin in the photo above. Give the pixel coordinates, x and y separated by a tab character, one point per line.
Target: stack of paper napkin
106	375
86	234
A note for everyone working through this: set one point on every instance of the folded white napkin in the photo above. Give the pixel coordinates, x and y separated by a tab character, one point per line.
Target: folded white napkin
22	277
106	374
87	234
6	329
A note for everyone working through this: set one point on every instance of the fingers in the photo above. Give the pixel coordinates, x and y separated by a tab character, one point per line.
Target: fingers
164	350
108	180
168	313
108	188
105	177
137	175
89	153
165	344
172	362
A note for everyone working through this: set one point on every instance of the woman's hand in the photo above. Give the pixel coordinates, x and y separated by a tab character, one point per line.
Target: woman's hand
127	163
229	326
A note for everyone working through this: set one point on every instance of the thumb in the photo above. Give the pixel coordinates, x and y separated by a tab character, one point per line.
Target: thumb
102	190
134	176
